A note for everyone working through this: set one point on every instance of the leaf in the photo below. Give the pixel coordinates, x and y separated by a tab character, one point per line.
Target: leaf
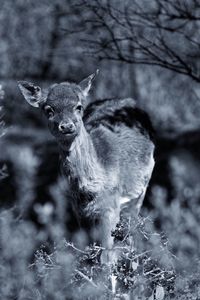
134	265
160	293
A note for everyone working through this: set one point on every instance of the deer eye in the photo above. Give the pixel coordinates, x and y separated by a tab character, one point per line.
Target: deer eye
49	111
79	108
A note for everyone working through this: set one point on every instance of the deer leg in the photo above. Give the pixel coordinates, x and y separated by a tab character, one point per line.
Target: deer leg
130	212
109	219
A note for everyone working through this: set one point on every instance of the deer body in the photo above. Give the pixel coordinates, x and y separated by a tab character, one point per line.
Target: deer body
106	151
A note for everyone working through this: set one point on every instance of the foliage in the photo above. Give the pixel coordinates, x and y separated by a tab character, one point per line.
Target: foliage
46	42
157	265
3	169
64	271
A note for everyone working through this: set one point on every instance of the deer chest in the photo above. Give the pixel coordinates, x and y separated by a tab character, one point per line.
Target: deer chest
83	200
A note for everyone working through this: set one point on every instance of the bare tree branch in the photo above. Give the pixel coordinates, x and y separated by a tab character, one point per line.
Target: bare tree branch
157	32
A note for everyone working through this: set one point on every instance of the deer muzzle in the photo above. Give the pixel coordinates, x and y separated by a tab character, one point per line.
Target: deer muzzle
67	127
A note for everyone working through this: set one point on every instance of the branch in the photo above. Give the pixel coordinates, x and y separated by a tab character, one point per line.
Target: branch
139	33
86	278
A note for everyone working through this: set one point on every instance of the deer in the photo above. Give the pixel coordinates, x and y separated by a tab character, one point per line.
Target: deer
106	149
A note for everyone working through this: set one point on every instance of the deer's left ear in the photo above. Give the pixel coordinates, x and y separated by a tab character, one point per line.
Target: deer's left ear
86	83
31	93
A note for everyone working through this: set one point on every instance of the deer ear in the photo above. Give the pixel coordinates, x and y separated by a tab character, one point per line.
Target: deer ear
86	83
31	93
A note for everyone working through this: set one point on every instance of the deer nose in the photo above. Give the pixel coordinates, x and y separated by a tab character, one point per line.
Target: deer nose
66	127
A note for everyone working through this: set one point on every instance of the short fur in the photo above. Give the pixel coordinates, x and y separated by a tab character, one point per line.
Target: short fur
107	159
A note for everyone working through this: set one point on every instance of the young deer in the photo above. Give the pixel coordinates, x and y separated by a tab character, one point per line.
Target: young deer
106	152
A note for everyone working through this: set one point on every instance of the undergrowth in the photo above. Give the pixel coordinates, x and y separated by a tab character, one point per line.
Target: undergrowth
63	271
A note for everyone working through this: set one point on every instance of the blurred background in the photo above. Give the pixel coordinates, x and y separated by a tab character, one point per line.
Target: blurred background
148	50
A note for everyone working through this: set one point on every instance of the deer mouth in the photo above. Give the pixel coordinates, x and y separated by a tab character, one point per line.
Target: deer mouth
69	132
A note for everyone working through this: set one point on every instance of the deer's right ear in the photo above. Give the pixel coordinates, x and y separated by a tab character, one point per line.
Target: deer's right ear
31	93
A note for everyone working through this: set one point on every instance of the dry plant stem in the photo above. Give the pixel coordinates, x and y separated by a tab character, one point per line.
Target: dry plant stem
86	278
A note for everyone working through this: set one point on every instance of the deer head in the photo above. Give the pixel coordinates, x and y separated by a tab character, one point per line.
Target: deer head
63	105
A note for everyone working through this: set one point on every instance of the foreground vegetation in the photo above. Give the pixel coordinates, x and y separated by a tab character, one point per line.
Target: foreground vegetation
39	263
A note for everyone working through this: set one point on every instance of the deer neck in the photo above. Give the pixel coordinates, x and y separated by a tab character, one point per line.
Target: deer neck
82	165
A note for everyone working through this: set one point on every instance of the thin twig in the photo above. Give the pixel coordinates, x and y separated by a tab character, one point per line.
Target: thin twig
86	278
75	248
